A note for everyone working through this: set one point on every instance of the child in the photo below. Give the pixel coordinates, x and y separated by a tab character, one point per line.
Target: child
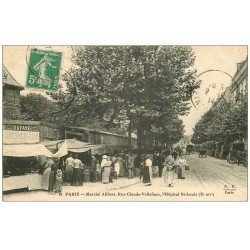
58	183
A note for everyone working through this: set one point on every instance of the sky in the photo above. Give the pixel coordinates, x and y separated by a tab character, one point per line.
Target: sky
223	58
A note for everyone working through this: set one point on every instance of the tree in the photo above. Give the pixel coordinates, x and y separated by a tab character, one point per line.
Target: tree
225	122
235	122
36	107
134	87
170	132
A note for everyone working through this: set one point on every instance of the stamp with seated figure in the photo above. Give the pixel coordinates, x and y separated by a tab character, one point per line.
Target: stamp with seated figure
44	70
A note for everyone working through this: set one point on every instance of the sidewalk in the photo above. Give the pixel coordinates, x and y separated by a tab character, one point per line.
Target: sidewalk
70	193
100	187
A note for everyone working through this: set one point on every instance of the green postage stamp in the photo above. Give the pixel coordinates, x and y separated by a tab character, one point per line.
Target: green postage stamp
44	70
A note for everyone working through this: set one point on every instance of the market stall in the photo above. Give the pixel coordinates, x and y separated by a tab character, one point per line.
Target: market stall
20	167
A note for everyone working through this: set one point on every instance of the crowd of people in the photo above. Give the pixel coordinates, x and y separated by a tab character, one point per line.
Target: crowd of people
72	171
106	168
169	165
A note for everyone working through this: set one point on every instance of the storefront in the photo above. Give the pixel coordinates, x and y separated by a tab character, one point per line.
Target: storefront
22	154
21	168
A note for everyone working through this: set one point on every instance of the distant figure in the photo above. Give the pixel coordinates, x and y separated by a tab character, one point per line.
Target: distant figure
52	179
169	173
58	183
155	159
106	169
69	169
180	152
77	173
113	159
94	162
121	163
46	174
175	155
148	172
161	160
130	166
117	168
181	164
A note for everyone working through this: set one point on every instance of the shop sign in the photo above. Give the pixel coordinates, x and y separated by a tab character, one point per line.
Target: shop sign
18	134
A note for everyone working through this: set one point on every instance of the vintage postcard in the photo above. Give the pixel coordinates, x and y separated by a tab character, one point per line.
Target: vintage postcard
125	123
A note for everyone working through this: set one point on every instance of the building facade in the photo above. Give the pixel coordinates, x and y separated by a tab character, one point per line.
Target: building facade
97	137
11	96
239	81
239	89
21	131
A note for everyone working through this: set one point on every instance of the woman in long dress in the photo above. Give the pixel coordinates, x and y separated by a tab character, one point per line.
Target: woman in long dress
168	172
148	172
77	173
52	179
182	163
106	167
46	175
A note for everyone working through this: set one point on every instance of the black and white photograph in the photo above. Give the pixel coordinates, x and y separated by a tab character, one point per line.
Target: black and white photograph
125	123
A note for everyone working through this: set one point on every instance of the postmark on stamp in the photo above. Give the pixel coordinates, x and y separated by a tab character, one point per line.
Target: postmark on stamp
44	70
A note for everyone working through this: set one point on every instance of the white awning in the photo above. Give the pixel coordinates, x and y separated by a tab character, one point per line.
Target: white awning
79	150
62	151
26	150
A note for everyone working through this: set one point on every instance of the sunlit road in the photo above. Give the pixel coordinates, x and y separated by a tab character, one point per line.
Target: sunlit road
209	179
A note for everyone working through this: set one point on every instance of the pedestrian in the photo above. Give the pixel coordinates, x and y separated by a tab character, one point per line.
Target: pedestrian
130	166
77	177
110	163
180	152
52	178
175	154
106	169
68	170
148	173
93	163
46	174
155	167
121	163
179	165
168	172
58	182
183	162
161	160
113	159
117	168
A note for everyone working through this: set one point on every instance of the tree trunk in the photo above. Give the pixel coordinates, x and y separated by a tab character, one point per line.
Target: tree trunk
143	134
139	136
130	134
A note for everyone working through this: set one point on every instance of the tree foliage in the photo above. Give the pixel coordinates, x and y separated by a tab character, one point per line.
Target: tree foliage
37	107
129	87
225	121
